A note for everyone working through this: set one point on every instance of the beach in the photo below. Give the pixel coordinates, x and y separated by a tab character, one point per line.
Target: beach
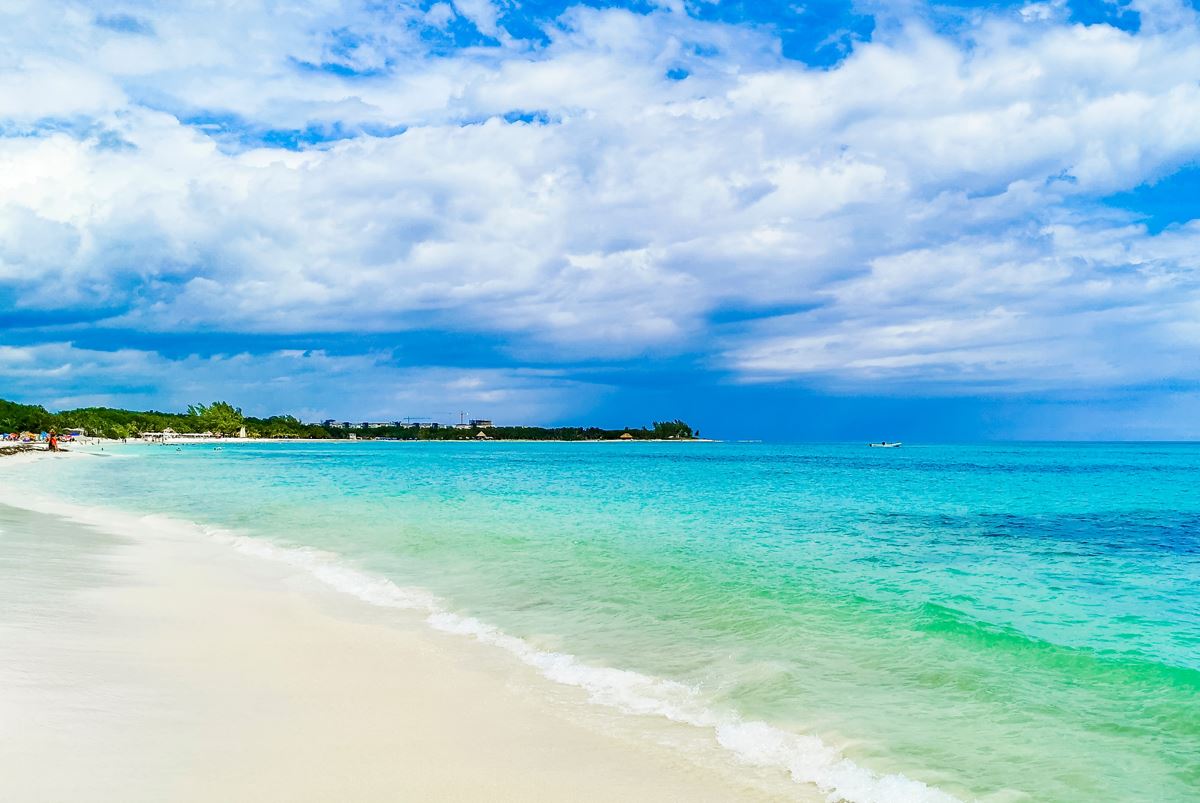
156	665
995	623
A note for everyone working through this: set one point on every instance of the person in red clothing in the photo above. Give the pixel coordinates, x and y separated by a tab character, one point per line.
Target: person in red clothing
53	441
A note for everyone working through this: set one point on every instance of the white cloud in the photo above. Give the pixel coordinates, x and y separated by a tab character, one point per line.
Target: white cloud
312	385
439	15
483	15
1042	12
1061	308
932	197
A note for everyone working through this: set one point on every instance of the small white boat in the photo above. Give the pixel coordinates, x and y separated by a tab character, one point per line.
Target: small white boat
886	445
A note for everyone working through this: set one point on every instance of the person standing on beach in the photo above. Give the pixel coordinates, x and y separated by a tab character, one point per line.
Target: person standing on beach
53	441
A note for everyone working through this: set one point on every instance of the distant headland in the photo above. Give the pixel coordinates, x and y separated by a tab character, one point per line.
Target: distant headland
222	419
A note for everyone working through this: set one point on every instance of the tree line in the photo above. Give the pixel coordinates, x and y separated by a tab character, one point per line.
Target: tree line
223	418
661	430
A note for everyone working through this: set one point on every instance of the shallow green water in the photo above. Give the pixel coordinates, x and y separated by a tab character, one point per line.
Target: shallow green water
998	622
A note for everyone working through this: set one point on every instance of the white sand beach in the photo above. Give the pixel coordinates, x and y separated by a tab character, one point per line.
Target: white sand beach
161	666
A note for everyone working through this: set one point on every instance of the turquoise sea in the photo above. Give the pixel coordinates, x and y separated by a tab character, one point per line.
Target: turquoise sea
993	622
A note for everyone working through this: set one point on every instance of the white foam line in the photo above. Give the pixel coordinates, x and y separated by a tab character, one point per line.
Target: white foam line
806	758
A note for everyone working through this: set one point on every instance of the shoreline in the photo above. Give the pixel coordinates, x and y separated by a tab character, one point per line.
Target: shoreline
184	442
270	685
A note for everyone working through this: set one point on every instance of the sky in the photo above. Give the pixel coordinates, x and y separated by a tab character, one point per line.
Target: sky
815	220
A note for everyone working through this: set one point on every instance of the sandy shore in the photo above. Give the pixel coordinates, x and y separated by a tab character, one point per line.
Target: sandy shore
161	666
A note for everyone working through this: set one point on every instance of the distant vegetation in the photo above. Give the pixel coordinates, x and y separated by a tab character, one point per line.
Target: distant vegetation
225	419
662	430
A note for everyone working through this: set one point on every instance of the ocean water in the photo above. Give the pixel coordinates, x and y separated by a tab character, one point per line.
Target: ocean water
980	622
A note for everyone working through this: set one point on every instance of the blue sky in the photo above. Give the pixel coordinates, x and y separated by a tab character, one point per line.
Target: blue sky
822	220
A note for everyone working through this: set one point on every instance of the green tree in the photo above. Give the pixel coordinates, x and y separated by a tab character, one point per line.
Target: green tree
220	418
20	417
672	429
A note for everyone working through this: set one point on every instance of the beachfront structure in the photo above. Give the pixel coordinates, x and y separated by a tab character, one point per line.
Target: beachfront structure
482	423
462	426
170	434
329	423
